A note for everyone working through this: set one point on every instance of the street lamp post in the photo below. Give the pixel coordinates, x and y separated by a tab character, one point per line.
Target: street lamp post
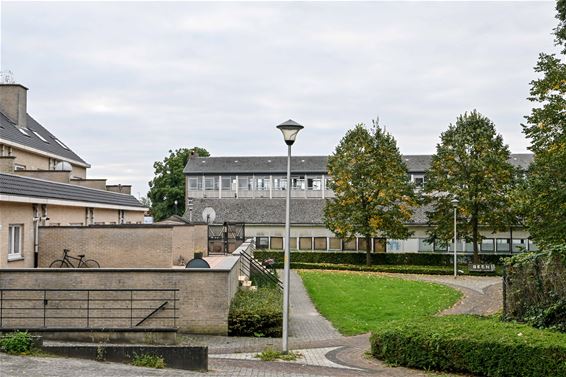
455	205
290	129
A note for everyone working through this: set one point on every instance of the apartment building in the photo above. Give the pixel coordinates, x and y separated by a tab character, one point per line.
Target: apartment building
43	182
252	190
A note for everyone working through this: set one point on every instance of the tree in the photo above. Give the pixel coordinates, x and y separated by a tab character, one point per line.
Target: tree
471	164
168	185
544	204
370	180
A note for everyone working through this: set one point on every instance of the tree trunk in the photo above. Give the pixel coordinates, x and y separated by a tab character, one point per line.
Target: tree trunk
475	237
368	250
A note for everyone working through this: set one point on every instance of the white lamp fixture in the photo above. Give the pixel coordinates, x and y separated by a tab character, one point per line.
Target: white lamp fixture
290	129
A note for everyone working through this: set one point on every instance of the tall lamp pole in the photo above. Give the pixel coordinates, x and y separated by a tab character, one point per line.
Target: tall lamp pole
290	129
455	205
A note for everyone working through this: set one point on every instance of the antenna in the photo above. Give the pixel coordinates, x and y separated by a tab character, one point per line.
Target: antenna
7	77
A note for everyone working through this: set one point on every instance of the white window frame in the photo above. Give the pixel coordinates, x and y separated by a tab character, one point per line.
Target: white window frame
13	252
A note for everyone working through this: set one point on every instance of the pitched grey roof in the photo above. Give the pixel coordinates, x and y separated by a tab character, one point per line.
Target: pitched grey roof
271	211
9	131
300	164
37	188
255	165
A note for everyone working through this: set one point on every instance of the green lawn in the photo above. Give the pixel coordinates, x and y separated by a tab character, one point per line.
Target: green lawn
356	303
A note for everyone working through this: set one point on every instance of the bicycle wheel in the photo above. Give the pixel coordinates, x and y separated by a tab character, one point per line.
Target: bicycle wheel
89	263
59	263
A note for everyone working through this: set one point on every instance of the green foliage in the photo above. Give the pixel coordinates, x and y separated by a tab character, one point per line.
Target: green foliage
536	288
168	184
544	195
373	194
269	354
338	297
381	259
471	164
470	344
19	342
148	361
256	313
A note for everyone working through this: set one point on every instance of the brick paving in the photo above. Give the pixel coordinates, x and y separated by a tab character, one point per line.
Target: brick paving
326	352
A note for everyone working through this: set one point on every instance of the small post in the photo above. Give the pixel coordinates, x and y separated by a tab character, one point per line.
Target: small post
131	309
88	309
174	308
44	305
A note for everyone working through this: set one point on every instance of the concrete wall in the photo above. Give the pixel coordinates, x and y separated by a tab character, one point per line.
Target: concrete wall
204	295
36	161
124	246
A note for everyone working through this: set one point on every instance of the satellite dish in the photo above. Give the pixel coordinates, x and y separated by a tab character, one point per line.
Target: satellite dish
208	215
63	166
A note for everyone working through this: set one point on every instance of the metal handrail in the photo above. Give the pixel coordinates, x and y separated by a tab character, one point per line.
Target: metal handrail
260	268
46	306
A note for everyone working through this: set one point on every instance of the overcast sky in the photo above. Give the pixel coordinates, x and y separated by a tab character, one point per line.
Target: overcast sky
122	83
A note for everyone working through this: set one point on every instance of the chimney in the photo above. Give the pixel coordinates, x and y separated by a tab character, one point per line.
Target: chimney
13	103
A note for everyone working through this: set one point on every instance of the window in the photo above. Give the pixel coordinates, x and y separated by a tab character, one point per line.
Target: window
210	183
418	179
502	245
277	243
19	167
487	245
314	183
350	245
279	183
60	143
441	246
24	131
293	243
320	243
39	136
195	183
298	183
519	245
379	245
229	183
244	183
262	183
328	183
334	243
532	246
15	241
262	242
362	244
424	246
305	243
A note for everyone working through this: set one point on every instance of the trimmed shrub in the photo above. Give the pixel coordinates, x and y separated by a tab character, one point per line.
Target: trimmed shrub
359	258
256	313
535	288
470	344
430	270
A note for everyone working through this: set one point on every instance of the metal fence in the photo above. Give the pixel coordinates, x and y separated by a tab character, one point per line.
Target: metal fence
92	309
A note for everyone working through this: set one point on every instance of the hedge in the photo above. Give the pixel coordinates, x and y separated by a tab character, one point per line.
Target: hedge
359	258
535	288
471	344
256	313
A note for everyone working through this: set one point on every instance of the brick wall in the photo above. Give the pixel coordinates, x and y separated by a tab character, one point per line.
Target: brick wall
125	246
204	295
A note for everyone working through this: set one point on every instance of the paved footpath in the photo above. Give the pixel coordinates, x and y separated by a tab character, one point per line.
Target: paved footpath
324	351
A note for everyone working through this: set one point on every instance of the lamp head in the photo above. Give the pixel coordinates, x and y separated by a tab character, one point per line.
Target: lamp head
290	129
455	202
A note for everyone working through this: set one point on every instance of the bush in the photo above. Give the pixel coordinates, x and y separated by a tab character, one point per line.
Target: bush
535	288
148	361
470	344
16	343
431	270
359	258
256	313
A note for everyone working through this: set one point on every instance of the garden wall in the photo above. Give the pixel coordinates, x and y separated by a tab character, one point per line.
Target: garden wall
204	296
124	246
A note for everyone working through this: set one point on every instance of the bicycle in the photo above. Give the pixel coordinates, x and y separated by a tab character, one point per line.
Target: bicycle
66	261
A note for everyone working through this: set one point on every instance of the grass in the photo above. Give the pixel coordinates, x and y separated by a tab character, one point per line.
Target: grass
357	302
148	361
270	354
